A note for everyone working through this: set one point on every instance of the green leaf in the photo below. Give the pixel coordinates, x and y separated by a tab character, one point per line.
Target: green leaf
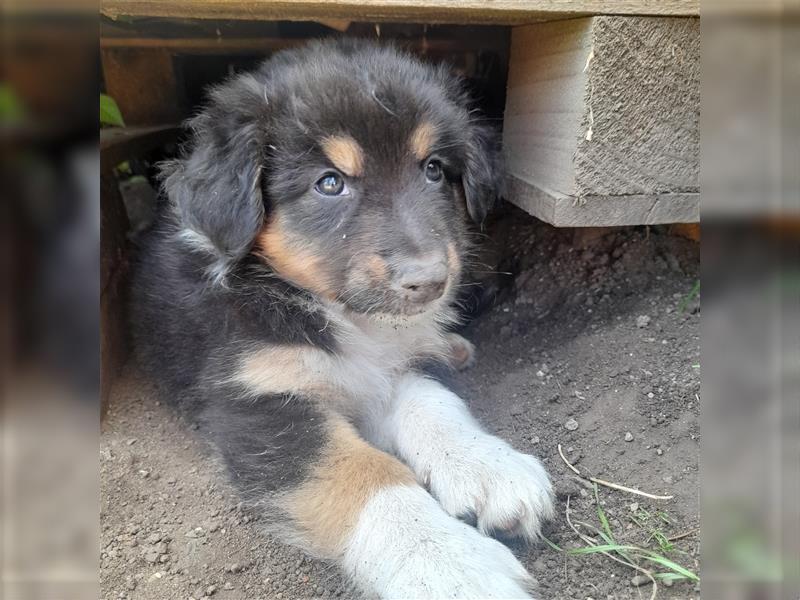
109	112
11	109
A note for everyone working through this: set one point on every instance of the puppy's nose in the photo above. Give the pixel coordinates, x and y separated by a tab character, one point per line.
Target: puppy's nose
423	278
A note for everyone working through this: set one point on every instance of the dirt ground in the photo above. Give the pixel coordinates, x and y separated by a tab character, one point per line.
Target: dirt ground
592	342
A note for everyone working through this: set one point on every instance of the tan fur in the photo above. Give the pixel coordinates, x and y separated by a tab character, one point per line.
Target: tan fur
286	370
453	260
350	471
345	154
422	140
299	266
376	267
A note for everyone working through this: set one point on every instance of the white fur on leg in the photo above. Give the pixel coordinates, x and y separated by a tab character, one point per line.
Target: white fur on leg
465	468
405	546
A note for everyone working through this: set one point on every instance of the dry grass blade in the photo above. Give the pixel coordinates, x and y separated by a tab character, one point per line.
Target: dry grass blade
608	484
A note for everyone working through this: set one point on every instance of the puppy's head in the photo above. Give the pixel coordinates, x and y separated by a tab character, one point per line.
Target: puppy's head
348	168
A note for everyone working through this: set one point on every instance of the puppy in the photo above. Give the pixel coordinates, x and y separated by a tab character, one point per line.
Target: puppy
308	260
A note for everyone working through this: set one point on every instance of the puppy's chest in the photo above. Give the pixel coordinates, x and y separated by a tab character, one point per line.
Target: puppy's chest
372	359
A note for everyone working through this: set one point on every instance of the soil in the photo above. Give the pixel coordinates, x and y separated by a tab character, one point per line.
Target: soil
591	342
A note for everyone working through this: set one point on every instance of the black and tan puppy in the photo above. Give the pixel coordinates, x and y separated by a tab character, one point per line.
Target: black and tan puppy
312	248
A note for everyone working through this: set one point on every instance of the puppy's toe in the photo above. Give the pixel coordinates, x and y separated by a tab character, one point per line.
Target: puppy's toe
462	352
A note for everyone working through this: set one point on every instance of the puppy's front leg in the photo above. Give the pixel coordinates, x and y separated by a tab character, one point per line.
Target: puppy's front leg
470	472
329	491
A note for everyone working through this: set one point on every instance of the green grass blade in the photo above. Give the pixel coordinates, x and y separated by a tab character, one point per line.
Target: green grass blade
553	545
601	548
672	566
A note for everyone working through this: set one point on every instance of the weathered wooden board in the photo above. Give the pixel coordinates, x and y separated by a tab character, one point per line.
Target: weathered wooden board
142	81
602	120
419	11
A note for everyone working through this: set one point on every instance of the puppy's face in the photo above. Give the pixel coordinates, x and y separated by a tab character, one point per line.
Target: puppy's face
367	165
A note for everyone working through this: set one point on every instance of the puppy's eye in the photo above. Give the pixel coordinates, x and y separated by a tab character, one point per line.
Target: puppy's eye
331	184
433	171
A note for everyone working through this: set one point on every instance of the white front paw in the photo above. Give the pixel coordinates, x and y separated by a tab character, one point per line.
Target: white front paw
406	547
507	491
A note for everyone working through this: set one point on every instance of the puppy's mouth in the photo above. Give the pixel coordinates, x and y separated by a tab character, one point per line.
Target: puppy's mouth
401	301
404	287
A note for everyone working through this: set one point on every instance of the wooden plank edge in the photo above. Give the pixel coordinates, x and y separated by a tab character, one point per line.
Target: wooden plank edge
433	11
603	211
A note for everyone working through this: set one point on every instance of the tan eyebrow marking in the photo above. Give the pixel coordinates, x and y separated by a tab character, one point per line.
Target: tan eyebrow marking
345	154
422	140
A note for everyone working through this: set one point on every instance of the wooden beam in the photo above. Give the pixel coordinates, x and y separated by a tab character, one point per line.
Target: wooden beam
508	12
142	81
601	124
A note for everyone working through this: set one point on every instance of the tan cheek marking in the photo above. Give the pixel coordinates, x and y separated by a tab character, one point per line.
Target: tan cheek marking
377	268
301	267
422	140
345	154
349	473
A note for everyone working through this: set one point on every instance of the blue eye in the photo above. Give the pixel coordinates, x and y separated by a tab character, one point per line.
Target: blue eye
330	184
433	171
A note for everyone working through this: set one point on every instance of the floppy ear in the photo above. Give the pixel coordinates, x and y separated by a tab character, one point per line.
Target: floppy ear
215	189
483	178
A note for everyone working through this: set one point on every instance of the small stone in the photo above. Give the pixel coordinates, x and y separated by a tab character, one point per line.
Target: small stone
634	507
227	586
540	374
659	451
668	583
153	538
566	488
211	590
196	533
535	439
628	436
642	321
571	425
639	580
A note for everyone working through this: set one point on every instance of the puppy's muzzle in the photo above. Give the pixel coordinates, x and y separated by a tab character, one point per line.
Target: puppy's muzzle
422	279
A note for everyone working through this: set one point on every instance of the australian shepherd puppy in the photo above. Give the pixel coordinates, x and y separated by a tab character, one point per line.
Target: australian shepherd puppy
307	263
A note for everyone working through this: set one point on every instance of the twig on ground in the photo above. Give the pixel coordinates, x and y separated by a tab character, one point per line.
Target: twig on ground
609	484
683	535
